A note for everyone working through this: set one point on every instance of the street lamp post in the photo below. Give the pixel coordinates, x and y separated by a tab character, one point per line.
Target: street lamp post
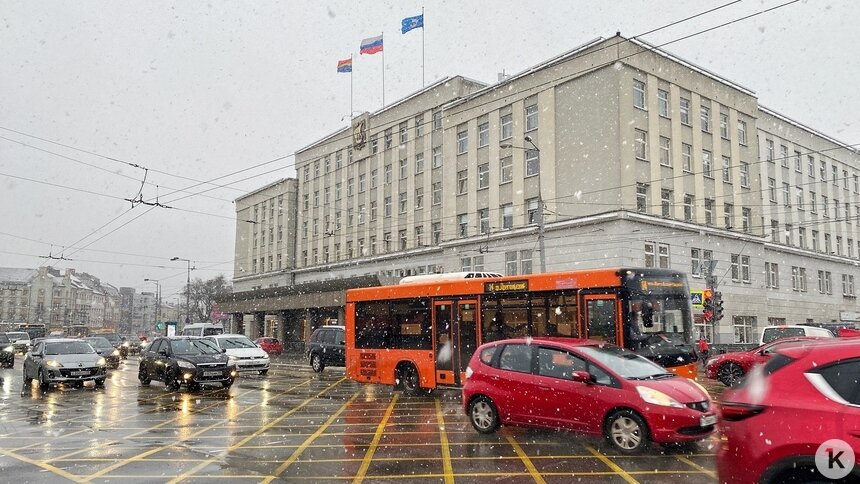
157	299
187	290
539	214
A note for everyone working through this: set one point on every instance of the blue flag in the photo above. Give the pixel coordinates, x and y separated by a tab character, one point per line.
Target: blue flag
410	23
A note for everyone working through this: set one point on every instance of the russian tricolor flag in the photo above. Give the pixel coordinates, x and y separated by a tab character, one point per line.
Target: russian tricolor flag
344	65
371	45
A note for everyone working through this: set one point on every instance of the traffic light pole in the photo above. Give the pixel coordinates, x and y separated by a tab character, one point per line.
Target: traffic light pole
711	283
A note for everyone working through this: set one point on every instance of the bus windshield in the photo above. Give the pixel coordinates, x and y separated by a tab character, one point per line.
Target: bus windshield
661	318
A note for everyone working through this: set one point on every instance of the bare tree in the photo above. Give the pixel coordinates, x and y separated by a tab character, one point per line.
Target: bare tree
203	296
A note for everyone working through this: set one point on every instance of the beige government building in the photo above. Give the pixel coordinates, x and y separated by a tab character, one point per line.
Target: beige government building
632	156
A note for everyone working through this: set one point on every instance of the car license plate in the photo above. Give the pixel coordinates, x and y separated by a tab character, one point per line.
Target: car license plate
708	420
80	373
211	373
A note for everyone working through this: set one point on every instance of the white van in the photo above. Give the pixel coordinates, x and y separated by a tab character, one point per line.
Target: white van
202	329
772	333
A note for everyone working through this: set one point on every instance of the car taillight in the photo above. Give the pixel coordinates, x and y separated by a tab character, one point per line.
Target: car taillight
734	412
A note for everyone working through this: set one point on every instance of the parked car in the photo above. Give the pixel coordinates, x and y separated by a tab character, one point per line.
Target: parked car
773	333
20	341
247	355
587	386
64	360
730	368
775	421
188	360
327	347
105	350
270	345
7	352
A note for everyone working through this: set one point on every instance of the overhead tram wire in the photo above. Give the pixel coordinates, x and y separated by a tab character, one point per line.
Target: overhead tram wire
545	83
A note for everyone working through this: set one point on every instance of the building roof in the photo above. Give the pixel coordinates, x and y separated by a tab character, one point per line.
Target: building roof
788	120
16	276
266	187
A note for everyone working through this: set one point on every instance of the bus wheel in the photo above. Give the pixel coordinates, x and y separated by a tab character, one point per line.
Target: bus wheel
408	378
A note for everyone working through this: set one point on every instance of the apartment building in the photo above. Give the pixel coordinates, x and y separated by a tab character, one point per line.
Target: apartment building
615	153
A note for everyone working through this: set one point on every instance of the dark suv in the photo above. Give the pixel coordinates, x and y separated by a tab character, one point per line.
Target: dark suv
7	352
327	347
188	360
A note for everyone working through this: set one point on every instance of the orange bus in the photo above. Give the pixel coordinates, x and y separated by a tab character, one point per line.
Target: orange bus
422	334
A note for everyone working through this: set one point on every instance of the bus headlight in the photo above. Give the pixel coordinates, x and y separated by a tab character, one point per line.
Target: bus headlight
656	397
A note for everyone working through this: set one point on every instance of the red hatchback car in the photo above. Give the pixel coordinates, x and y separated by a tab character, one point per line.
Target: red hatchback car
774	423
730	368
270	345
587	386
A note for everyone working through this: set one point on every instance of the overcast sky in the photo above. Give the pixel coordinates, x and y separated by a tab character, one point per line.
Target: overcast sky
199	90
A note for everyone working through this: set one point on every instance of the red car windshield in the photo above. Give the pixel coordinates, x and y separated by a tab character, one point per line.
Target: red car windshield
625	363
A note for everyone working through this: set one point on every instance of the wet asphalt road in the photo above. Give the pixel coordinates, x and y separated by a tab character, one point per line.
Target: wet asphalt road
293	425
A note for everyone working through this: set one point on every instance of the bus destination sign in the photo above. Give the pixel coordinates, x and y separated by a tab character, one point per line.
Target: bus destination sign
506	286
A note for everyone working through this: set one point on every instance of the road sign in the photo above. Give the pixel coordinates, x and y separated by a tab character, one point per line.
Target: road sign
159	326
697	297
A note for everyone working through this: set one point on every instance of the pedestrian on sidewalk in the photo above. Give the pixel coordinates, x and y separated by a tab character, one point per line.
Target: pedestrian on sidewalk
704	349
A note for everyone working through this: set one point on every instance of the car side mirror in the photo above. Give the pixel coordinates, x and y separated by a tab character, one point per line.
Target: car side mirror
581	377
223	350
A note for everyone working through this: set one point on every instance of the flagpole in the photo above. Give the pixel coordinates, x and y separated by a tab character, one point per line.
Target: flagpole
383	68
423	82
350	85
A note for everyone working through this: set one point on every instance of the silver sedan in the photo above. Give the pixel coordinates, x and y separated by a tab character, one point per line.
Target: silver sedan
64	360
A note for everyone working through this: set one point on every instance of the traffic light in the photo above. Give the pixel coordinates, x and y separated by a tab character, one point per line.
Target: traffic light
707	306
717	302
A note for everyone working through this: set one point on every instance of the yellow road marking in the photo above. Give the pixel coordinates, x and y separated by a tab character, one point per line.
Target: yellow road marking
368	456
446	451
296	453
612	465
146	454
43	465
695	466
526	461
260	431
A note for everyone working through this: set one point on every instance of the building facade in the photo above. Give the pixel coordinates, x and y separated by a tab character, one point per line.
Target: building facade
613	154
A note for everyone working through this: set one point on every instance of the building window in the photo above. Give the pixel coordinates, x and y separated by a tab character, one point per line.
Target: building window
727	169
798	165
419	163
506	212
822	170
746	216
641	198
403	166
362	183
386	242
709	211
511	263
827	246
786	195
402	238
463	225
437	157
769	150
483	134
483	220
825	207
506	128
388	138
531	211
419	198
437	120
350	187
783	156
835	174
666	202
483	175
689	201
736	267
700	261
506	170
707	164
525	262
789	234
687	157
462	140
316	168
374	178
799	197
437	193
638	94
728	211
685	112
724	125
338	160
387	173
742	132
745	174
798	279
386	207
419	125
436	227
663	103
664	151
373	210
847	285
656	255
815	240
462	181
640	144
402	202
743	327
531	117
532	163
771	272
705	115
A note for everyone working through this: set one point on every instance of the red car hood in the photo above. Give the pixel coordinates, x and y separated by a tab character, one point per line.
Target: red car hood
679	388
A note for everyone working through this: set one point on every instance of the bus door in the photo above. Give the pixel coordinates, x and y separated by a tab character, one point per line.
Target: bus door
455	339
601	317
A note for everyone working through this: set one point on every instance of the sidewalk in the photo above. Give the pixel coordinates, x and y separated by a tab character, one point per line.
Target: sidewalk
289	358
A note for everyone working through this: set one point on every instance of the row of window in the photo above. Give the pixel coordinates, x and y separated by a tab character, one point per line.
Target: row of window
370	247
684	111
810	163
268	206
815	203
506	129
813	244
689	203
640	150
